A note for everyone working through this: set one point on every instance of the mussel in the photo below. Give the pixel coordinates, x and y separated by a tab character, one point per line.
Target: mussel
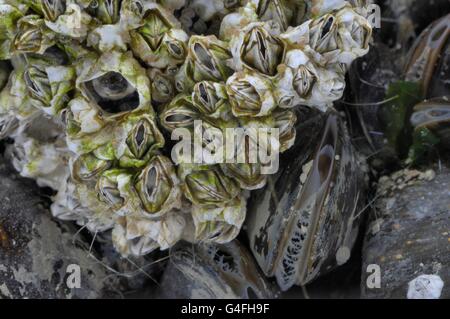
213	271
433	116
305	222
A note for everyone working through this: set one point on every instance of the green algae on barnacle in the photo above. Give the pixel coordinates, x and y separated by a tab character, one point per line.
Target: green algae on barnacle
114	79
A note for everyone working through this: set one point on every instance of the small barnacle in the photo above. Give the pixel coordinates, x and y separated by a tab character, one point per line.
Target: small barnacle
107	11
88	166
283	12
323	33
209	187
180	113
247	175
219	224
257	48
32	35
159	41
74	23
250	94
304	80
8	25
107	188
139	236
52	9
136	140
162	86
206	60
211	99
8	123
49	86
157	187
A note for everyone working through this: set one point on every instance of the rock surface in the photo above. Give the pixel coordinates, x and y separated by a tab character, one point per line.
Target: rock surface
409	234
36	251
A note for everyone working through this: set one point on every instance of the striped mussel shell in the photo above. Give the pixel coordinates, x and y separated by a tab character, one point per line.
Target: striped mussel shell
305	222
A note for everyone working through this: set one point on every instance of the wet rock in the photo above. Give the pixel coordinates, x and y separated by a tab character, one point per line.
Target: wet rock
38	256
408	236
213	271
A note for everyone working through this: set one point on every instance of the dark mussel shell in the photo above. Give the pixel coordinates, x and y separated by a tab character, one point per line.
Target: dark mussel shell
305	222
213	271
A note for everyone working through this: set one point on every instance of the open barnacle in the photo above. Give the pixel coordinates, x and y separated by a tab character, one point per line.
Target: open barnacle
304	81
323	33
139	236
250	94
136	139
158	187
284	12
32	35
211	99
50	9
116	83
257	49
206	60
159	41
180	113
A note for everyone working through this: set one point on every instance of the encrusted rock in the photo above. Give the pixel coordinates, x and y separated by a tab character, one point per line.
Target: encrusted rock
36	252
409	236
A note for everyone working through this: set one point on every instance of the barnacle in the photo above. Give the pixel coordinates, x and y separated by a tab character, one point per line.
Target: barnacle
92	90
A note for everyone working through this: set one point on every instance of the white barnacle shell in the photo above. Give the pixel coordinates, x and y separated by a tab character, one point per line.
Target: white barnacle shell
73	23
158	39
233	23
68	205
14	98
10	13
312	84
136	139
112	77
39	152
250	94
156	190
257	48
354	33
99	216
48	86
219	224
140	236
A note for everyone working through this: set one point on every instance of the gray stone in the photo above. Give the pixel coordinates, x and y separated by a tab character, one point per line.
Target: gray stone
409	233
35	250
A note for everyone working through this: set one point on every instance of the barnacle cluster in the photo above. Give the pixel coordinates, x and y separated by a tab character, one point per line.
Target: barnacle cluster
91	91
